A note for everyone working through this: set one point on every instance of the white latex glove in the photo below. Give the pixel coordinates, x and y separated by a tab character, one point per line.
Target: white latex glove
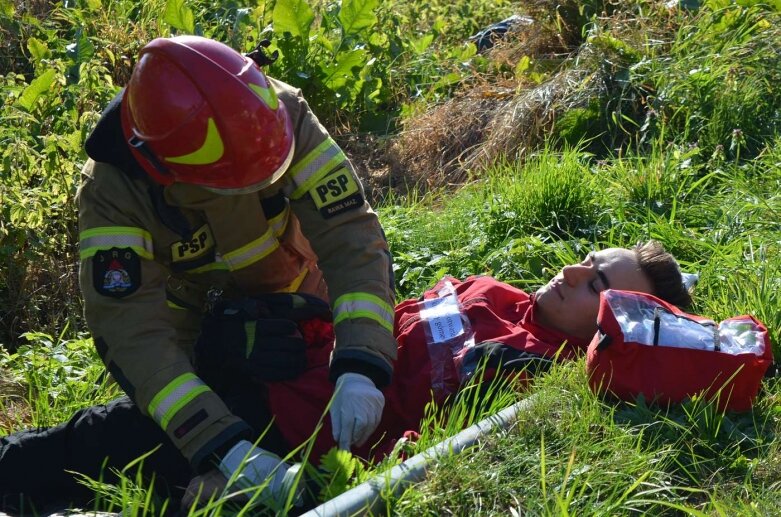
355	410
255	466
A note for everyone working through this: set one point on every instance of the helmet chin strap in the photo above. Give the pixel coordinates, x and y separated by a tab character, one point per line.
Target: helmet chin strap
140	146
260	57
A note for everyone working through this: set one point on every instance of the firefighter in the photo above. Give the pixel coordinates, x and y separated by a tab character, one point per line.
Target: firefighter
207	180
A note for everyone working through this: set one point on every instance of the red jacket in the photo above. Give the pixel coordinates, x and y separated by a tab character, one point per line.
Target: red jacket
501	318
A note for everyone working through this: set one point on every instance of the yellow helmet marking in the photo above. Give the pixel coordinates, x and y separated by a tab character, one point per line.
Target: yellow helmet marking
209	152
268	95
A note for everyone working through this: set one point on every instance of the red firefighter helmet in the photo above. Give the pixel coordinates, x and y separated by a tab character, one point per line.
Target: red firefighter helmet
196	111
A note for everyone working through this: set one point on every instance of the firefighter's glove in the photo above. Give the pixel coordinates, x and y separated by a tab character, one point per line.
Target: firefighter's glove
265	349
355	410
249	468
274	349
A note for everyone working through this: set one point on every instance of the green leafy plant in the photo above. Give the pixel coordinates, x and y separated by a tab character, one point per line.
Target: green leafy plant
332	59
339	470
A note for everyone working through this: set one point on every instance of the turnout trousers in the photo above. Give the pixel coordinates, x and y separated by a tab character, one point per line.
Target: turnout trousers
37	466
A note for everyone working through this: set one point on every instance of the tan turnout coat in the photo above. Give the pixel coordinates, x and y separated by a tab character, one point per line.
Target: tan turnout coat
145	285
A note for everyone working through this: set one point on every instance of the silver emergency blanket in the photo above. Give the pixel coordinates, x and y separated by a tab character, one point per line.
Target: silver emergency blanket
645	322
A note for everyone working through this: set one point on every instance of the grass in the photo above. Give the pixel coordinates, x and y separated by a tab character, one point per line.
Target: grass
572	453
690	116
584	455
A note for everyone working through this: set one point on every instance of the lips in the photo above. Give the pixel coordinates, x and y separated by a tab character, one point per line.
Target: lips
556	288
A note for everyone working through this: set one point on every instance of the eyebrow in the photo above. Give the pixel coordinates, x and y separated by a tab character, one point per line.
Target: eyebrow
601	274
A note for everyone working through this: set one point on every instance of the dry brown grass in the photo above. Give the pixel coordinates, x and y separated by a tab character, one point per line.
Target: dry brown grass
34	295
497	116
14	408
492	117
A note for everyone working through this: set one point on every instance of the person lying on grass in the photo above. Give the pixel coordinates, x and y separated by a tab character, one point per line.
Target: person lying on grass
512	330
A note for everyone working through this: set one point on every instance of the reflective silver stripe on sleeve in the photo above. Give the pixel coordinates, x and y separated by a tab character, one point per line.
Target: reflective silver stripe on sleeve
177	394
363	305
317	163
278	223
251	252
106	237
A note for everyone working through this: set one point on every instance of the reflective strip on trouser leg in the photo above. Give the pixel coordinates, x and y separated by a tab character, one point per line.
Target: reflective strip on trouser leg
363	305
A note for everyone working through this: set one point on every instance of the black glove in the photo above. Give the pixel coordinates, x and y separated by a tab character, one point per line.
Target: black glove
248	340
266	349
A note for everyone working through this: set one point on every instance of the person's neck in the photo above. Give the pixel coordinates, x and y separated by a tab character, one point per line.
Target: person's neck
539	318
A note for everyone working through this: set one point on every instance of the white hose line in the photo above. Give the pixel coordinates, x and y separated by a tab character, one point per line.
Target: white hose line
367	498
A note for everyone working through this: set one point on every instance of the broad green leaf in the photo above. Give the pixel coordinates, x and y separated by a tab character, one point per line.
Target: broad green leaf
82	49
464	52
18	214
179	16
325	42
439	26
523	64
608	42
347	66
111	57
38	87
378	39
69	142
420	45
94	5
357	15
339	467
242	19
38	49
293	16
448	80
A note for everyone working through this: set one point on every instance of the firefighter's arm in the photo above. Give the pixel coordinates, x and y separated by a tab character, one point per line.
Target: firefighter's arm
356	264
127	313
328	199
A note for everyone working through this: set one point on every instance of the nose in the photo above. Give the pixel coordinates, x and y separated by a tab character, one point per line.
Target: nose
575	273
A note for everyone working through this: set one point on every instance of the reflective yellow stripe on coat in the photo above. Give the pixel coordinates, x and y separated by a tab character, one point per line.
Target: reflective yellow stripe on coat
252	251
363	305
177	394
317	163
106	237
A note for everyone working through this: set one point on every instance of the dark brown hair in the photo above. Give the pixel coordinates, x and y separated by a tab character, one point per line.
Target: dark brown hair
664	273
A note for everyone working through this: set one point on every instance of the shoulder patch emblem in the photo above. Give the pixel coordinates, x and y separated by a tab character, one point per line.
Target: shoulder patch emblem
116	272
336	193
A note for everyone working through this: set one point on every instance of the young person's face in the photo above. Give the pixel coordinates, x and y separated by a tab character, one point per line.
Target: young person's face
569	303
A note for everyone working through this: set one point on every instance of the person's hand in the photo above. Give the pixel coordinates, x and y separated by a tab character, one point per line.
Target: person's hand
208	486
356	410
246	467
